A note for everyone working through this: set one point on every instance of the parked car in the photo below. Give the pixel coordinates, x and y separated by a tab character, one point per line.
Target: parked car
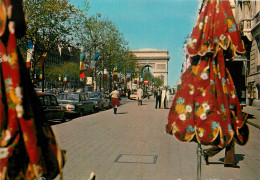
51	109
100	101
76	103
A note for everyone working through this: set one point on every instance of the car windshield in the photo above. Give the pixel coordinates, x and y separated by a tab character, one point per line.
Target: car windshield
94	95
73	97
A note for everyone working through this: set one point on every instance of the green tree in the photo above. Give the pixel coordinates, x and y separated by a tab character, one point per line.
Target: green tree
71	69
49	24
157	81
148	76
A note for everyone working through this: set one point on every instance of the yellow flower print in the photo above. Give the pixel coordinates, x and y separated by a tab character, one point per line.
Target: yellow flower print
180	108
230	23
203	91
204	48
25	137
13	96
200	111
6	136
201	132
13	58
174	128
225	90
191	90
195	69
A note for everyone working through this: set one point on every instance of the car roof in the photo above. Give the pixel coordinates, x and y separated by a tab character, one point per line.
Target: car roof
44	94
73	93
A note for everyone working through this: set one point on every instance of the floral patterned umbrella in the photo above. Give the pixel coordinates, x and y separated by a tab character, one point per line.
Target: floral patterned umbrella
206	108
28	149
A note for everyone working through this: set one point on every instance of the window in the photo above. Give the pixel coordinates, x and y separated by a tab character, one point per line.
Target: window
60	96
41	100
53	101
47	100
82	97
73	97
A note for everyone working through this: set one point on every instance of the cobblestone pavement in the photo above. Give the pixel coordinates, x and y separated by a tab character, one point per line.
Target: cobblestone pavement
133	145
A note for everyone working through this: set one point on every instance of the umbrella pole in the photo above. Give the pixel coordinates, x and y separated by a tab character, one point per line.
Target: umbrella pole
199	152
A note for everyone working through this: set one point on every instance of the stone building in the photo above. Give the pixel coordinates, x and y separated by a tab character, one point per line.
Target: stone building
156	59
247	15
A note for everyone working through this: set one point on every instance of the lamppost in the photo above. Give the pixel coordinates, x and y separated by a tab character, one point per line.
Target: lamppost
69	49
100	74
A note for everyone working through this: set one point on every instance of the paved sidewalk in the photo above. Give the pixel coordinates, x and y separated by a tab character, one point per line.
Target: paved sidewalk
133	145
254	115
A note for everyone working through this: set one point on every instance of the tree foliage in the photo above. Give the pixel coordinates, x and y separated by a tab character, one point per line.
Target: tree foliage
52	23
71	69
157	81
49	24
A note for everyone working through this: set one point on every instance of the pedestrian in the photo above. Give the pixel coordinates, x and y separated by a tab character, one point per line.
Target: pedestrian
140	94
163	98
229	160
158	97
155	93
167	96
28	147
129	93
115	99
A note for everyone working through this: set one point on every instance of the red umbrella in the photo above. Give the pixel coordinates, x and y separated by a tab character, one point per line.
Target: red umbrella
28	149
206	108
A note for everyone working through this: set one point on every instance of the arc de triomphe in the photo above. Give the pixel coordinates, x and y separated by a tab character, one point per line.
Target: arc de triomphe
155	58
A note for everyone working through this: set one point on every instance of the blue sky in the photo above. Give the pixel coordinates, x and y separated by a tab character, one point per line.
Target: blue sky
151	24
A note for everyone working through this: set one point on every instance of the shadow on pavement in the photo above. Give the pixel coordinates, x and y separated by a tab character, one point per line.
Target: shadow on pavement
122	113
238	158
216	162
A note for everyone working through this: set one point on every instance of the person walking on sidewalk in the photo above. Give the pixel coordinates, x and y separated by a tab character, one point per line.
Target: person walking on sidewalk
167	97
158	97
115	99
140	94
229	154
163	98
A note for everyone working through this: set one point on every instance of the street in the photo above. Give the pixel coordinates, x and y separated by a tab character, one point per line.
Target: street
133	145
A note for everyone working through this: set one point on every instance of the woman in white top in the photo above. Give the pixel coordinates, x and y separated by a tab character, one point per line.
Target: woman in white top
115	99
167	97
163	100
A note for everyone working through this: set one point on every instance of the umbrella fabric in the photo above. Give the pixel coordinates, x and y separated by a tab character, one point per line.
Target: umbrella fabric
28	148
206	108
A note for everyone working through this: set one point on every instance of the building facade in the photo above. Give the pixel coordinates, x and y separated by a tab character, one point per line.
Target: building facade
247	15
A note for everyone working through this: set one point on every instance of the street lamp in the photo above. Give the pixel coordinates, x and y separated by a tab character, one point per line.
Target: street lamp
69	49
100	74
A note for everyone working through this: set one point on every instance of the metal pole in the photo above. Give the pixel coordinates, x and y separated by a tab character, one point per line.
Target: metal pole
199	152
